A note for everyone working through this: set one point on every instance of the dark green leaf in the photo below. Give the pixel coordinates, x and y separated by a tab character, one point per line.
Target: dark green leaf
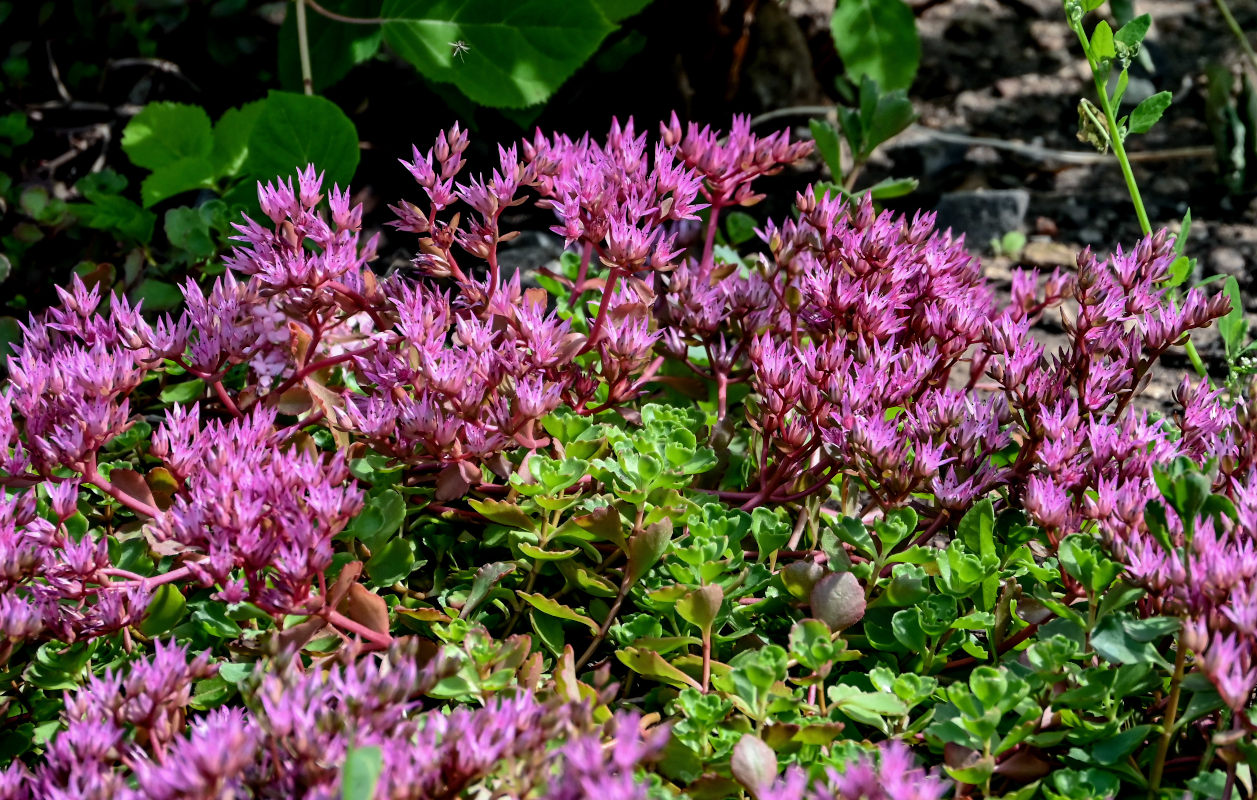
826	139
1233	327
740	227
164	610
977	528
518	52
165	134
363	766
188	230
877	38
119	216
231	137
294	131
182	176
391	563
1132	33
1115	643
335	47
383	516
892	187
487	577
157	295
1149	111
212	616
556	609
185	392
1102	41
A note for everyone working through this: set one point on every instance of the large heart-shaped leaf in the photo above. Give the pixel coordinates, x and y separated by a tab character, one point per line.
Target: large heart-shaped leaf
335	46
500	53
293	131
877	38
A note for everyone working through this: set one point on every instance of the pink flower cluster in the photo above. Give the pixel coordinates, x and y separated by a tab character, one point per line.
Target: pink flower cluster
126	737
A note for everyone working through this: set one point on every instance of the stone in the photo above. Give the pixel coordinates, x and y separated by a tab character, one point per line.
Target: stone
527	253
1229	261
983	215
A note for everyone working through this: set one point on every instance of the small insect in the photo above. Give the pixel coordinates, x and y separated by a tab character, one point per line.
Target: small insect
459	48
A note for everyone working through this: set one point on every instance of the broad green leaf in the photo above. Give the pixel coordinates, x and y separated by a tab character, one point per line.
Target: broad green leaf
335	47
383	516
1233	327
189	231
487	577
164	610
701	606
56	667
893	187
293	131
619	10
977	527
157	295
1132	33
549	630
892	114
826	139
212	616
740	227
503	512
1149	111
361	774
1115	639
211	693
877	38
1102	41
231	137
540	554
518	52
866	707
391	563
650	664
165	134
556	609
117	215
184	175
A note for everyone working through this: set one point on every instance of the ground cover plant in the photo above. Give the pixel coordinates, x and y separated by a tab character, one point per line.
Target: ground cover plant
804	514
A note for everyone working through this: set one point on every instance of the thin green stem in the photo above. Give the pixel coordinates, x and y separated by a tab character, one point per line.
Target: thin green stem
303	48
1119	150
1239	34
1114	138
1171	716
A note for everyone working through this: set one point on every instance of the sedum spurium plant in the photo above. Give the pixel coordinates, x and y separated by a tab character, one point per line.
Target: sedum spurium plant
814	518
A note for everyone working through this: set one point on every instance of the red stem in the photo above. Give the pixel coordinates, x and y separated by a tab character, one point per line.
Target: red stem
380	640
596	328
92	475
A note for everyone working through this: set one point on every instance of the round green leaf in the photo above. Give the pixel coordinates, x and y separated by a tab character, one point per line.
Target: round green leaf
515	53
163	134
231	137
877	38
294	130
164	610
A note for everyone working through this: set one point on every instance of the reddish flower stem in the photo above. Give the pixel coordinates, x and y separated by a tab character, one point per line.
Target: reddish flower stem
379	640
92	475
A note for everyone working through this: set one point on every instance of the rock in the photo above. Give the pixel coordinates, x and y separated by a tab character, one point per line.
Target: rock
1048	254
527	253
983	215
1229	261
1138	90
1171	186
